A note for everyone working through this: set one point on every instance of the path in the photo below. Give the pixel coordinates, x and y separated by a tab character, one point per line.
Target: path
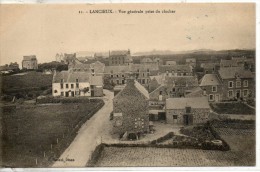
79	151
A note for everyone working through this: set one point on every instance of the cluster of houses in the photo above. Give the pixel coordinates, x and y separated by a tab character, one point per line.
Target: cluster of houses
153	90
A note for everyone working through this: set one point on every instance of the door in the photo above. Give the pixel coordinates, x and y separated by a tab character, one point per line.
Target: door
217	98
92	93
175	118
238	94
67	94
72	93
187	119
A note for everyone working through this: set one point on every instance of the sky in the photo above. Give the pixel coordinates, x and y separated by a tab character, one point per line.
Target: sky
44	30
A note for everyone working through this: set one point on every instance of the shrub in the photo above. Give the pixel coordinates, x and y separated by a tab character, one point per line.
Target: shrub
163	138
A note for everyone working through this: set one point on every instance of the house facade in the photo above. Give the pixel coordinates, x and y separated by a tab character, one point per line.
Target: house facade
175	70
117	58
187	111
76	84
191	62
212	87
130	109
237	83
117	75
29	62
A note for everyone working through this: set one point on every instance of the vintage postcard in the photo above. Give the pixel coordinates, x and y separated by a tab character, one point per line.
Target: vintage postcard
128	85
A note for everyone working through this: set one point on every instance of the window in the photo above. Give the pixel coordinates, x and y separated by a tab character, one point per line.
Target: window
61	85
245	83
77	85
143	74
72	85
211	97
117	76
111	76
214	88
230	84
245	93
117	81
77	80
173	89
230	93
160	92
123	76
67	85
62	93
175	116
238	84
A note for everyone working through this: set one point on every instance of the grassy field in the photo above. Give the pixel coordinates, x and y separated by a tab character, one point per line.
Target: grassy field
30	80
242	153
231	108
29	132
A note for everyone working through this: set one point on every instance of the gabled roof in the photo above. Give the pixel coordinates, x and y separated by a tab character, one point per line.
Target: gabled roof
210	79
158	78
137	85
193	102
70	77
233	72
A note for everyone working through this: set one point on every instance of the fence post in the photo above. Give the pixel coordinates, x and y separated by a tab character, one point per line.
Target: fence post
57	140
51	146
44	154
36	161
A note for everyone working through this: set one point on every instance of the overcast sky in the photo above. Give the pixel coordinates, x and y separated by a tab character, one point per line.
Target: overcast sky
44	30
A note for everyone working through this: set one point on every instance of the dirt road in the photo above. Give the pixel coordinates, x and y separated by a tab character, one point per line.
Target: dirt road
89	135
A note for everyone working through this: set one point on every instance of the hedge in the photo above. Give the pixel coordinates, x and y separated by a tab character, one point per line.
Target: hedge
51	99
163	138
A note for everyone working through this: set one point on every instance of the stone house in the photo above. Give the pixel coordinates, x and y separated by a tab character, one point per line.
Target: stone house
210	68
174	86
237	83
76	84
117	58
130	109
212	87
117	75
175	70
187	111
29	62
142	72
69	58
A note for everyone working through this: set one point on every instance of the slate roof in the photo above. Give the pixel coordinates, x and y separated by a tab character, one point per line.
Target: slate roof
210	79
175	68
232	72
144	67
195	92
70	77
228	63
158	78
117	69
188	81
193	102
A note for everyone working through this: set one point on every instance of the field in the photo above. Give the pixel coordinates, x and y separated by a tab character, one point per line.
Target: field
31	80
232	108
242	153
41	132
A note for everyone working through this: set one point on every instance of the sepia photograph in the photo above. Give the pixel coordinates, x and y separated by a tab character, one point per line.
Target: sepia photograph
128	85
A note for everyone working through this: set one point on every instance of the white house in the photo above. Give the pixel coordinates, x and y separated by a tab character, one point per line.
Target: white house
74	84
